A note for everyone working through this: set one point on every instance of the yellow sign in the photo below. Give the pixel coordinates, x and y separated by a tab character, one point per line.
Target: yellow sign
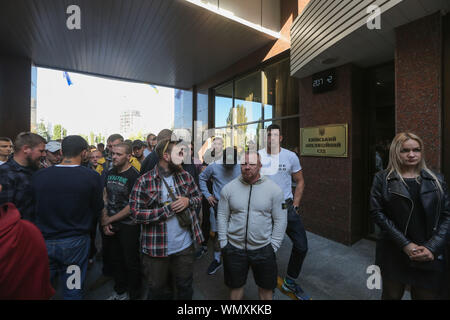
324	141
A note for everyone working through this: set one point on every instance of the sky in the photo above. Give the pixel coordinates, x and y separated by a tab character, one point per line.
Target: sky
94	103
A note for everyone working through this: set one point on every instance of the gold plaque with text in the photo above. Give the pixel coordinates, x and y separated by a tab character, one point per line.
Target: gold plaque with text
324	141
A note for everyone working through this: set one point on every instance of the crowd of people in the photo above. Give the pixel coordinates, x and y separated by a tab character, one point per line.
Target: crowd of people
156	206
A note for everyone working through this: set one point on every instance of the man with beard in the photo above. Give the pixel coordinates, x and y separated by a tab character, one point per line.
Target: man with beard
112	141
68	198
219	173
163	201
251	220
15	175
152	159
121	242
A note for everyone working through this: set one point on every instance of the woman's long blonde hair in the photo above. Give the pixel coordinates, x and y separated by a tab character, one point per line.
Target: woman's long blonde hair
395	162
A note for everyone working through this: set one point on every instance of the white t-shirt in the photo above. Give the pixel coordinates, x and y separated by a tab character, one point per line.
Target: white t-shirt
279	169
178	238
146	152
2	162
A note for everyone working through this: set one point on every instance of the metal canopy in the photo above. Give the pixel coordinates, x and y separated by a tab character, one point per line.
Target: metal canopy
165	42
365	47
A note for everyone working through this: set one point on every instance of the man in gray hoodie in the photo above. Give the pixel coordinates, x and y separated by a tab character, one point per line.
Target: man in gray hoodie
252	220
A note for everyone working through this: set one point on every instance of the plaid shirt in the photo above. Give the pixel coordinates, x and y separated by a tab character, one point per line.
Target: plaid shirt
147	209
16	187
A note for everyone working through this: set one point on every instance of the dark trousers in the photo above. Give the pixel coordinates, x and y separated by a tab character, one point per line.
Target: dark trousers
123	251
107	252
393	290
296	232
178	266
93	234
206	224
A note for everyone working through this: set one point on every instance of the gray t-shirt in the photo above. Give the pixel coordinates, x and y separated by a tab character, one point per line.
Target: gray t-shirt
178	238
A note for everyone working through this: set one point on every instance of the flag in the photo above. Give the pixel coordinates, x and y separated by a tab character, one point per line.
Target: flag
154	87
67	77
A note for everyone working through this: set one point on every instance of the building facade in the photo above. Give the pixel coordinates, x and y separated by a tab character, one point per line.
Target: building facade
374	68
387	61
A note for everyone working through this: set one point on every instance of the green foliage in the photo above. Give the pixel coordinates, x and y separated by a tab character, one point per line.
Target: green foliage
42	131
57	132
138	136
241	116
85	137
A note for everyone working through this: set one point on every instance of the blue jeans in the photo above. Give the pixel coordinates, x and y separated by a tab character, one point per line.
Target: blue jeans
296	232
69	252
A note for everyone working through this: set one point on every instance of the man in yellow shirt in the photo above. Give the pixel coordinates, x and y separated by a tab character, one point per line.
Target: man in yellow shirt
97	160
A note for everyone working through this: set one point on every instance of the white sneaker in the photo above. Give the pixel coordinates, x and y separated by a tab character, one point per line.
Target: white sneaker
116	296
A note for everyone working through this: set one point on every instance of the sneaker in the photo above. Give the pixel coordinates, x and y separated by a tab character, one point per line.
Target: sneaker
214	266
116	296
295	289
201	252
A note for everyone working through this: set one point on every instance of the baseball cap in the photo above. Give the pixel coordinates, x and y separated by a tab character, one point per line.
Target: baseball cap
138	144
53	146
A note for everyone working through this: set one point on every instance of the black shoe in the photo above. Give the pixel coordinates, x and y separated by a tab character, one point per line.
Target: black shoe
201	252
214	266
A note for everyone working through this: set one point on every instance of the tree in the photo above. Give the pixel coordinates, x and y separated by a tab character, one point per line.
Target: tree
99	139
59	132
138	136
42	130
241	117
85	137
91	138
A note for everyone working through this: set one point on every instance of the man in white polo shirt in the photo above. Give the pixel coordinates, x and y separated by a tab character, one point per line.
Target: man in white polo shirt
282	166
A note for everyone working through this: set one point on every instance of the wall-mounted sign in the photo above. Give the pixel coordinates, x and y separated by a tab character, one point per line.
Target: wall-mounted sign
324	81
324	141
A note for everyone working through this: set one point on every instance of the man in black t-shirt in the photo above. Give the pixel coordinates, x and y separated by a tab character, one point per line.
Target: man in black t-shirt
121	241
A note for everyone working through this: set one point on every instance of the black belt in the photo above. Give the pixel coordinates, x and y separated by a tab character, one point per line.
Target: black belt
289	201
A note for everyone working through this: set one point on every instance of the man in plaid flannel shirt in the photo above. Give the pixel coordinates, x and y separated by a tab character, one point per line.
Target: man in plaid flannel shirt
167	246
15	175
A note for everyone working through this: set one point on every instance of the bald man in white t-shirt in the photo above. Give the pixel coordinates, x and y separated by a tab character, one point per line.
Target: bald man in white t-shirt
282	166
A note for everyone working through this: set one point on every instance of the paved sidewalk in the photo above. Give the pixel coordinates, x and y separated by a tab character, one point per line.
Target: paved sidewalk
331	271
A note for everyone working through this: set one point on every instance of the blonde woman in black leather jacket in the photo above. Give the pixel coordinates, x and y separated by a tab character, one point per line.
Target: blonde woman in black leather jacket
410	204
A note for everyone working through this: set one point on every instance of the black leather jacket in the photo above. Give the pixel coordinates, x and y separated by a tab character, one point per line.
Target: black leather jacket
391	208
